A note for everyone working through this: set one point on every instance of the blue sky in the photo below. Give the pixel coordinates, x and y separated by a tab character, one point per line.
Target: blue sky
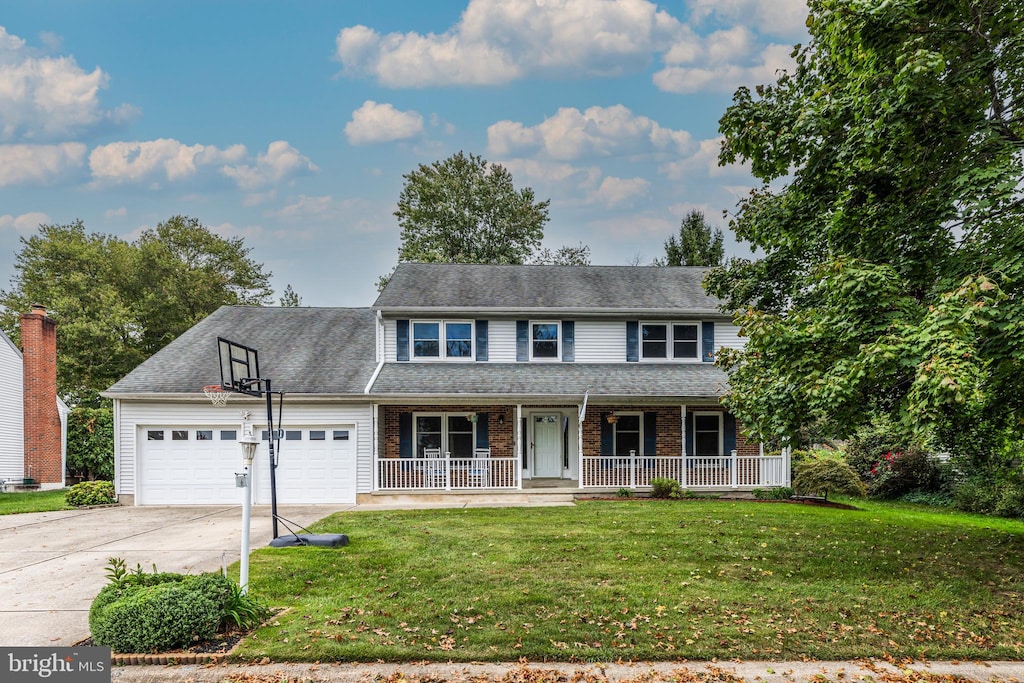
290	124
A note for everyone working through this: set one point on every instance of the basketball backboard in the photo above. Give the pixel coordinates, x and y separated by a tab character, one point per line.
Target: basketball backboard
239	367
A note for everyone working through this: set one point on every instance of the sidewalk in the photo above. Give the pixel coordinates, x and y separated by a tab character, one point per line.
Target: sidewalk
690	672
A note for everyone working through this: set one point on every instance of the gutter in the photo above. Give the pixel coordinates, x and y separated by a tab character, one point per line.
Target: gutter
583	312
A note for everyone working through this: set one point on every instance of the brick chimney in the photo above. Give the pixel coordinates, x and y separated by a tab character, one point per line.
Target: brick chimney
43	461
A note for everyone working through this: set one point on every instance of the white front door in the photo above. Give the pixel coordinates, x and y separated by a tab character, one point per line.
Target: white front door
547	445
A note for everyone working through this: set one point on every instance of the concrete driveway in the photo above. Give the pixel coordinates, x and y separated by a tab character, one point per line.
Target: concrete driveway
52	563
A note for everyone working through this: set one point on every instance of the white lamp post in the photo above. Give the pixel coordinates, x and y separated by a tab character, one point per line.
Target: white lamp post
249	443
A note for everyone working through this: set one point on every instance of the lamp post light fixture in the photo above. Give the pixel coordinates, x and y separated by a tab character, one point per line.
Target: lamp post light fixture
249	442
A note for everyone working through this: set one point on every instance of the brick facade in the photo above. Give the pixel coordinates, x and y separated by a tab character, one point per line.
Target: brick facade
43	461
502	431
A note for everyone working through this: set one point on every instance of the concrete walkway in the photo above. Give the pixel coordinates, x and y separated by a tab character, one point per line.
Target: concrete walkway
52	563
693	672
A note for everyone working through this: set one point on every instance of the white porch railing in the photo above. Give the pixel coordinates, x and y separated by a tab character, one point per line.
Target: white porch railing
724	471
448	474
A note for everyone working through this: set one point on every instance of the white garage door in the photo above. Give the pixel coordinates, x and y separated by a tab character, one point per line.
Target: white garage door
181	465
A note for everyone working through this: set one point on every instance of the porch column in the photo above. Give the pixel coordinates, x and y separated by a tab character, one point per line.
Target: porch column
375	460
682	446
519	445
579	443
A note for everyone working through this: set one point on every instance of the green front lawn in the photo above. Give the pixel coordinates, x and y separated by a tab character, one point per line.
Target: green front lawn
660	580
32	501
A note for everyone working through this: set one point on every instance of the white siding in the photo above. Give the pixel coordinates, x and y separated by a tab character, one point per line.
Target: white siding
727	334
12	414
135	414
501	341
390	345
600	341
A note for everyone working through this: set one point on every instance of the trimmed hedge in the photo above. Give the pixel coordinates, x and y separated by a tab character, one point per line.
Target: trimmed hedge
155	618
139	612
91	493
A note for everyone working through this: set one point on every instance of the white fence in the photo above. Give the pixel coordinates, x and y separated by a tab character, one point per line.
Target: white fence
720	471
448	474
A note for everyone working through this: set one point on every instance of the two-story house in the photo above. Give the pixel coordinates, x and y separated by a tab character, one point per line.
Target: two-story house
460	378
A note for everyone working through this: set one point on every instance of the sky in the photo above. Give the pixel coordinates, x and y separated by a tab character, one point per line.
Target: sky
290	124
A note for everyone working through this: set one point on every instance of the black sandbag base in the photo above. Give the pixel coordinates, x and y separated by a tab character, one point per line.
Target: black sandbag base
322	540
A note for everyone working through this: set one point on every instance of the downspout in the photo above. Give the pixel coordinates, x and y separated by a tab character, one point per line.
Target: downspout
380	355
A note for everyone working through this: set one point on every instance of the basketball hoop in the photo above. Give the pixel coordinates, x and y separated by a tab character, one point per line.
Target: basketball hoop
217	394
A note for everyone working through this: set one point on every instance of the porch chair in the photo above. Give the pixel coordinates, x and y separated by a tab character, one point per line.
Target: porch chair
479	473
433	471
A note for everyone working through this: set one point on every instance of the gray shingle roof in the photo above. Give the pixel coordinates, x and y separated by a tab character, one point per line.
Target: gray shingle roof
551	379
604	289
302	350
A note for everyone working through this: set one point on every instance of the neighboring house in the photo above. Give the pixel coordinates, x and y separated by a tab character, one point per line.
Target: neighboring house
33	420
459	378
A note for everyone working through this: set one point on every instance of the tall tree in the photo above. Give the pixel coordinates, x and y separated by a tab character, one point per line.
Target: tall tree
563	256
290	299
117	302
466	210
697	244
892	278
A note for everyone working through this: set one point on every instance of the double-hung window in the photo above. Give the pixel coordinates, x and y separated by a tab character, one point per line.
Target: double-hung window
544	340
442	339
452	433
670	341
628	434
426	339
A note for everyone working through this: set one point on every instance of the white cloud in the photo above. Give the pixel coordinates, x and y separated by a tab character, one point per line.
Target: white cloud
499	41
557	179
156	160
280	162
119	212
597	132
784	18
373	123
26	223
620	191
47	98
703	163
39	164
328	213
722	76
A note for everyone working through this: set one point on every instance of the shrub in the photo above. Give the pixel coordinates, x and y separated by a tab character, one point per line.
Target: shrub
775	493
871	442
91	493
155	618
663	487
91	443
827	475
624	493
899	472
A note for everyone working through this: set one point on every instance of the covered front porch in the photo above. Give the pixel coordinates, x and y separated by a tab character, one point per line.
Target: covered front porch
463	448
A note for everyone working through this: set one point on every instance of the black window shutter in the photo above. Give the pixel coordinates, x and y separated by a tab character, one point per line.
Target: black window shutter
568	340
708	341
689	433
607	442
402	339
522	445
632	341
729	438
405	435
483	437
481	340
522	340
650	433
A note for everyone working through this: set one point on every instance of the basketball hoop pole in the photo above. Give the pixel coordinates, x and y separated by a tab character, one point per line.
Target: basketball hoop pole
273	465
